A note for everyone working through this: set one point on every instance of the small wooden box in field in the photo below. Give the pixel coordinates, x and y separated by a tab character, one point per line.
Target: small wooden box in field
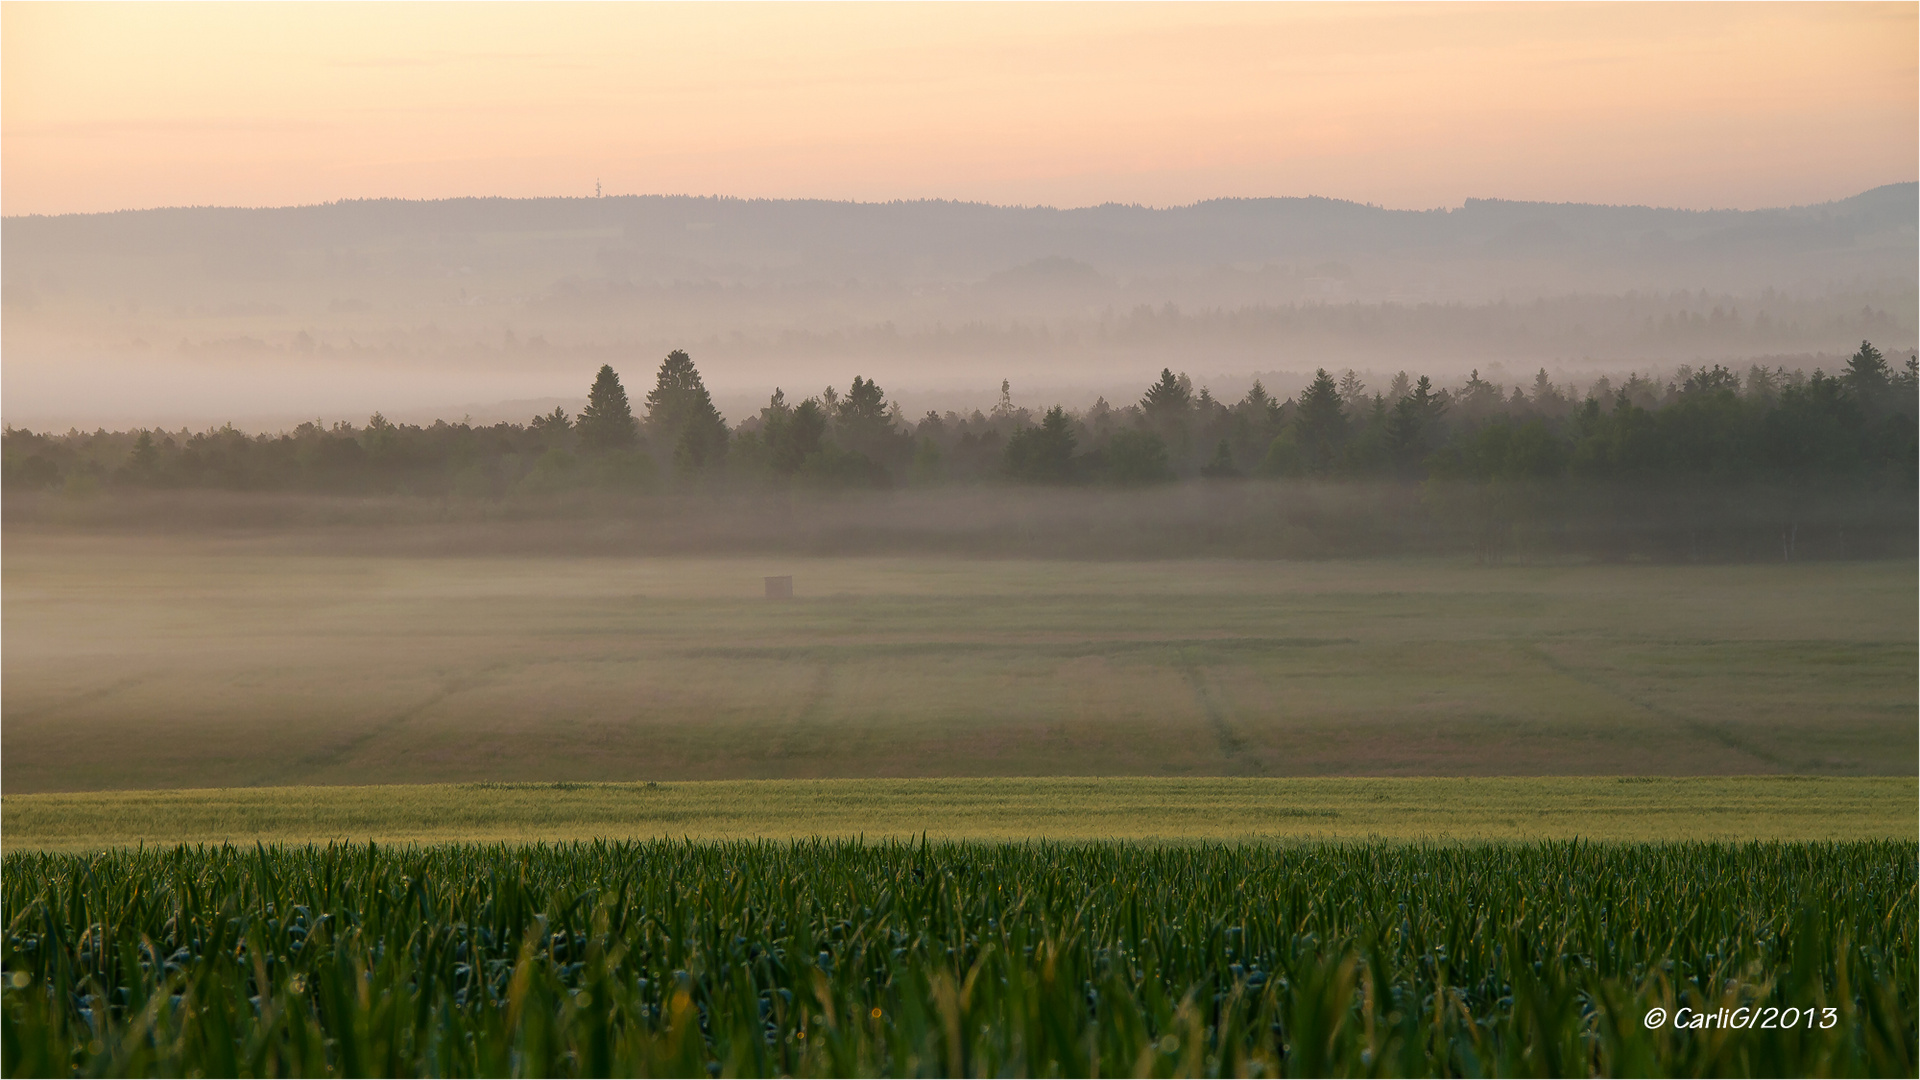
780	588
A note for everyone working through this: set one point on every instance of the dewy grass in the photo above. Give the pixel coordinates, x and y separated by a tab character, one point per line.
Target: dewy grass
833	958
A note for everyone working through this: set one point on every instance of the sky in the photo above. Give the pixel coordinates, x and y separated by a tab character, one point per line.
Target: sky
110	107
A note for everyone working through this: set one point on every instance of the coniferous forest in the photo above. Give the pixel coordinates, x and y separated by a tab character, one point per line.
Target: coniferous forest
1711	463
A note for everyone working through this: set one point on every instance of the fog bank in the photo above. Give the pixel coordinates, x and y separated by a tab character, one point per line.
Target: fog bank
466	307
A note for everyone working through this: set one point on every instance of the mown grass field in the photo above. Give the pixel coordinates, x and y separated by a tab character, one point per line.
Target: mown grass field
1144	810
153	662
925	959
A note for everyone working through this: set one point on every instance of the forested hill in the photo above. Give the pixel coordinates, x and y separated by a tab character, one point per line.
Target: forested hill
206	314
1498	245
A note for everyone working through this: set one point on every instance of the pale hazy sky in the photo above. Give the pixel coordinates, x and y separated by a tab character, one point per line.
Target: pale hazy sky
109	107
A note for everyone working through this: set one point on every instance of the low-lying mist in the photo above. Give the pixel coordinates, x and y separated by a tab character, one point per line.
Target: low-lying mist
266	318
1242	519
1711	466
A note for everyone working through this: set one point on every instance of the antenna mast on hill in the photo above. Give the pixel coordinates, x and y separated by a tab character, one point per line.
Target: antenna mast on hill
596	189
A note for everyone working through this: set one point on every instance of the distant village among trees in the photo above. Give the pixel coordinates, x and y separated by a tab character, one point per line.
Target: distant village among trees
1713	426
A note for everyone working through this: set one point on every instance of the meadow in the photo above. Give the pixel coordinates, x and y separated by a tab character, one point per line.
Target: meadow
1138	810
463	811
850	959
276	659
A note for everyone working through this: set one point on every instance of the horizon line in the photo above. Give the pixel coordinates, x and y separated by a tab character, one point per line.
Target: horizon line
1471	201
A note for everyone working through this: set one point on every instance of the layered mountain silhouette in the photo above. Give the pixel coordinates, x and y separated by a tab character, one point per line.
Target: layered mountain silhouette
768	291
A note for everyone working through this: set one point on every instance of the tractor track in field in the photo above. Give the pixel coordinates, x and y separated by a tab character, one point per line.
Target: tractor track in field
1233	746
340	753
804	719
1712	732
84	697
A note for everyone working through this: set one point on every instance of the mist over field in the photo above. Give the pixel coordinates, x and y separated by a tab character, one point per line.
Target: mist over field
991	591
491	308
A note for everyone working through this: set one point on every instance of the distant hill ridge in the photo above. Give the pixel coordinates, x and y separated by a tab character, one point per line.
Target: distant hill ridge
1898	198
1507	244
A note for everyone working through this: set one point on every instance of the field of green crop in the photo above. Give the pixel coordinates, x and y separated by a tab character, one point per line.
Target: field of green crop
1131	809
274	660
843	959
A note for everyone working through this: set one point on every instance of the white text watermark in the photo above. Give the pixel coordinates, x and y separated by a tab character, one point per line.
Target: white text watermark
1764	1017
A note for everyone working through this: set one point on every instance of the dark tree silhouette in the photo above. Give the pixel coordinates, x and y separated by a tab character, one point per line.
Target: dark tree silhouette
1637	458
792	433
145	455
680	414
1410	427
1868	378
1043	454
1320	422
1222	466
1138	457
607	421
1169	398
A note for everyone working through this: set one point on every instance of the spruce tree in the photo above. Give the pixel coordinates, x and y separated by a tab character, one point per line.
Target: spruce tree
1867	376
863	423
1320	423
146	456
1351	388
1043	454
1169	398
681	416
1168	405
1261	411
1222	466
607	421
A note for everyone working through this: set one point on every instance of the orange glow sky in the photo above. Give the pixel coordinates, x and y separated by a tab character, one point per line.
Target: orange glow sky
110	107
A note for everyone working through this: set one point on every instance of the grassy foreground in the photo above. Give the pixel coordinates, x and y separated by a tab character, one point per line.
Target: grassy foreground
1141	809
843	959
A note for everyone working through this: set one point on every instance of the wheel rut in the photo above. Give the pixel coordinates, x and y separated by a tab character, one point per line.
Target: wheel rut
340	753
1233	746
804	720
1711	732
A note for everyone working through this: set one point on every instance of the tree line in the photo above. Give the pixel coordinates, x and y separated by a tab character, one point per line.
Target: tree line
1711	427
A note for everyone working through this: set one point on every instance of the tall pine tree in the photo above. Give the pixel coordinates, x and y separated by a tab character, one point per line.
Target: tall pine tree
1043	454
1868	376
1168	399
607	422
681	416
1320	422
